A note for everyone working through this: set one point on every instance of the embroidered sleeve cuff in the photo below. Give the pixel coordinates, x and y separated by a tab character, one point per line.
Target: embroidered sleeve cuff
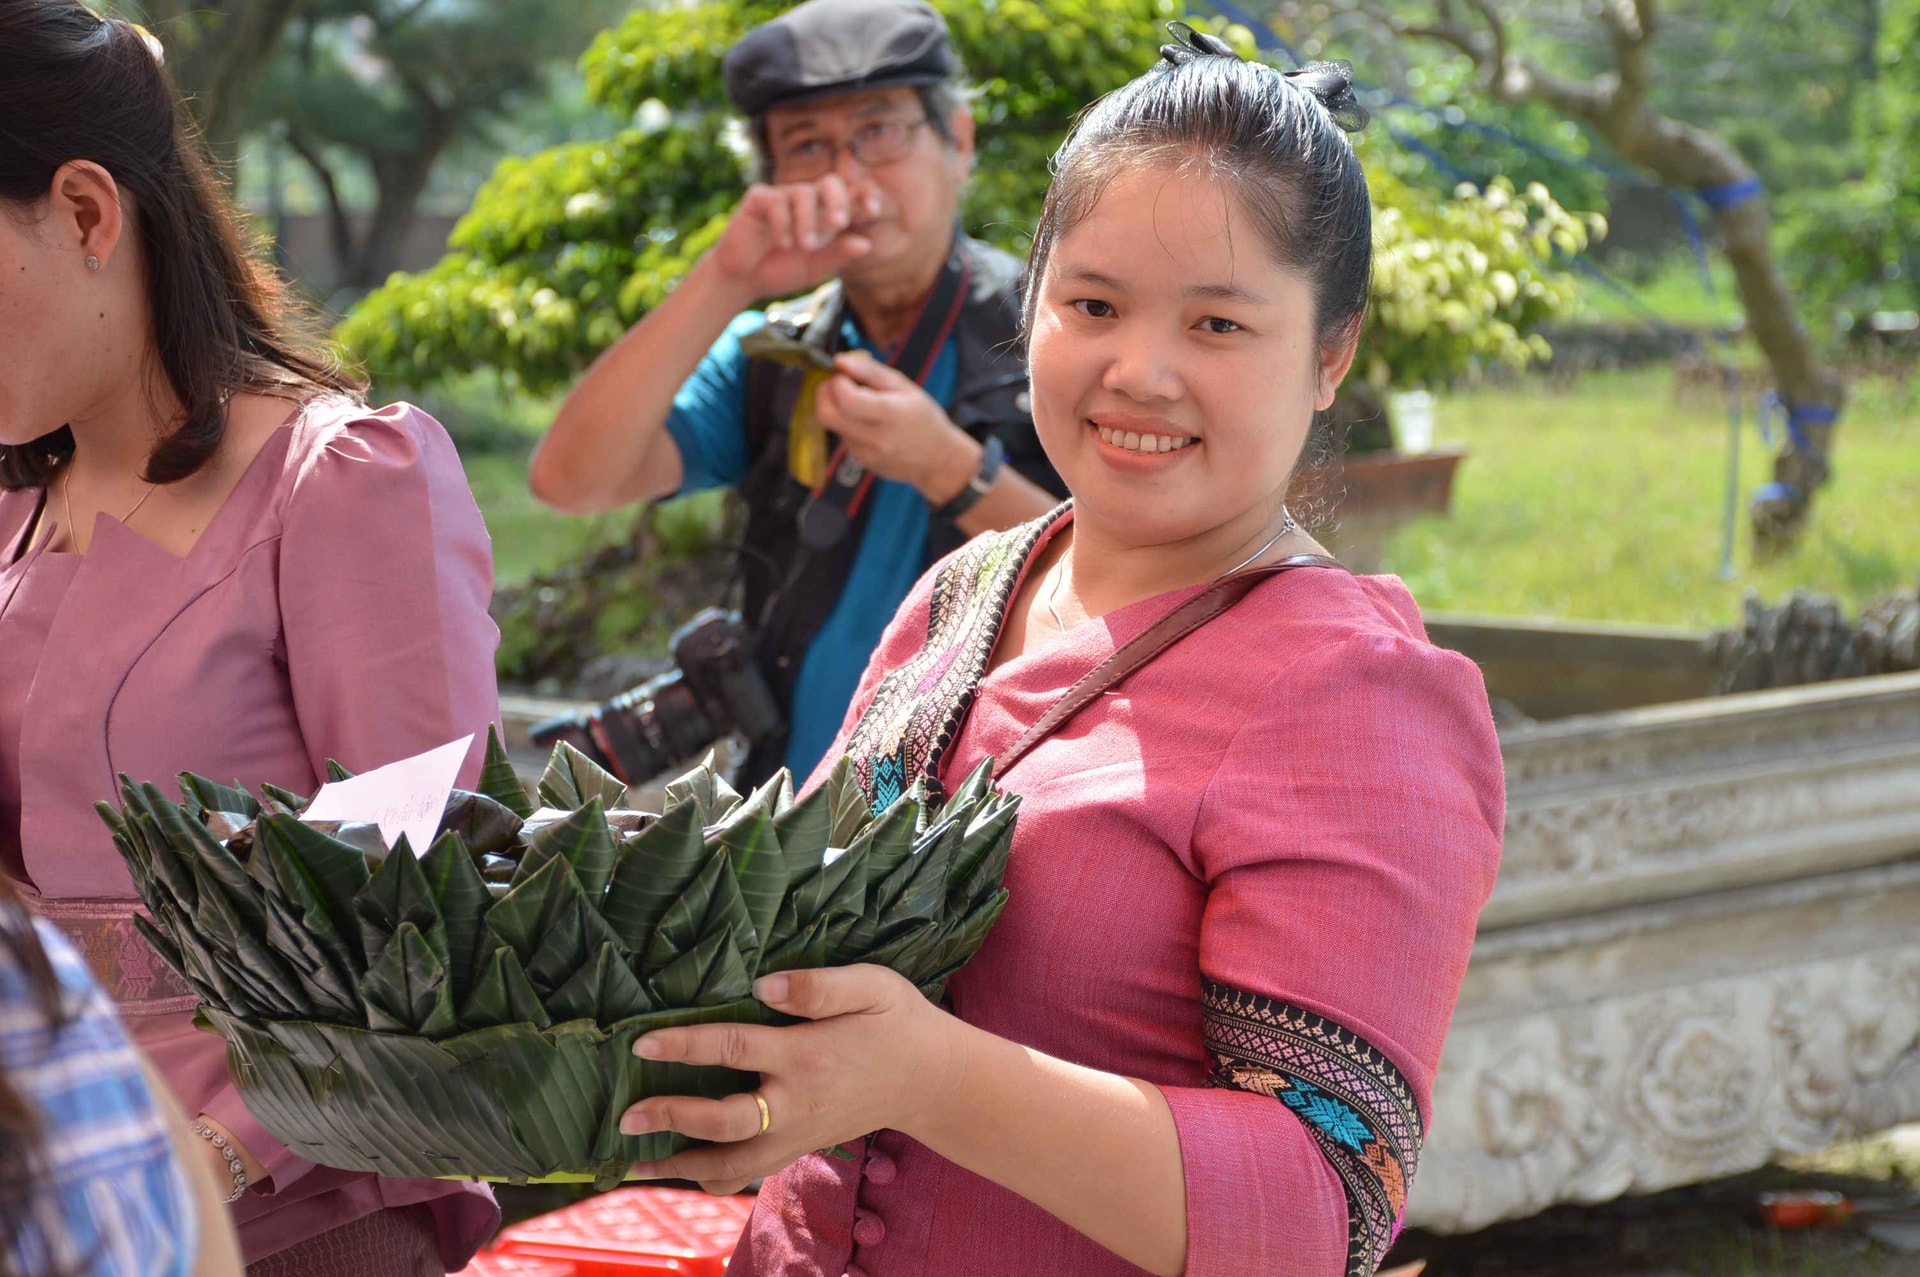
1260	1198
1348	1096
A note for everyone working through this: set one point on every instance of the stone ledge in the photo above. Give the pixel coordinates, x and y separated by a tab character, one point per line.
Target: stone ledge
1644	1048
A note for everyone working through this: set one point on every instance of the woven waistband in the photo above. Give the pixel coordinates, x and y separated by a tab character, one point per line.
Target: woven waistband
138	979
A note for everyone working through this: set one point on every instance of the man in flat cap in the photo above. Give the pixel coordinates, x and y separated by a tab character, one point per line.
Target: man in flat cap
873	424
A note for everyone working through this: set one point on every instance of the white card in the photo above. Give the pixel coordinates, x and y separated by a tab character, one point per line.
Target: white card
406	797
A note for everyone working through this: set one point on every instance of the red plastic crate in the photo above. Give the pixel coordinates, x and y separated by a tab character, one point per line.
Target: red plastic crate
493	1264
632	1231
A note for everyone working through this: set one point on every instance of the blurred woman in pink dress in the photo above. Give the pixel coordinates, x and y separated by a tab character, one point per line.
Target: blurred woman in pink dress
213	557
1203	1035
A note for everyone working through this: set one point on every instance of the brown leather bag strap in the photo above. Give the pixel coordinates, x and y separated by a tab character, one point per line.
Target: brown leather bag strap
1149	643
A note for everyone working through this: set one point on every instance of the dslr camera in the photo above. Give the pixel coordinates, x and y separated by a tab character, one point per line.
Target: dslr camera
715	690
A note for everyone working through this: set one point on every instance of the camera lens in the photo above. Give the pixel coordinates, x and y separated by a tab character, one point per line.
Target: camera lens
717	654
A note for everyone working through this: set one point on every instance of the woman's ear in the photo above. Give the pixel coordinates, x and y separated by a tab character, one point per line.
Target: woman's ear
1336	358
85	212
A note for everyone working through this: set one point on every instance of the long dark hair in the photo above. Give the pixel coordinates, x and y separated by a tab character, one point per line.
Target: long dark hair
22	1170
76	86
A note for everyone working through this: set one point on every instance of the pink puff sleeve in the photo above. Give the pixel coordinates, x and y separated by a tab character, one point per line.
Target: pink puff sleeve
1349	839
386	571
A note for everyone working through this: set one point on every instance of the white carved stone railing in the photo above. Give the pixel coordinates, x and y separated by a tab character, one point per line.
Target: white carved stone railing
1704	948
1703	951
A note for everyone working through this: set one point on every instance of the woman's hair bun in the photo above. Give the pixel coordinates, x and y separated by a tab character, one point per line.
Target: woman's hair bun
1331	84
1189	44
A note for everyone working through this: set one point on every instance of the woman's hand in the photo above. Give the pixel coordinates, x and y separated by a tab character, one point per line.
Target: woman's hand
875	1055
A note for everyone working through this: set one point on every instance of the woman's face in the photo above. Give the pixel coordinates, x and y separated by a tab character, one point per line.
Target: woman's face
37	293
1175	366
68	333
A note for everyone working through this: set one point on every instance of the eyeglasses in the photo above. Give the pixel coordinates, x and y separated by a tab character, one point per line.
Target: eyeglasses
881	142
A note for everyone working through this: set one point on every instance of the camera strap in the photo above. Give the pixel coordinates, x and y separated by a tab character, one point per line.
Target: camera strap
833	505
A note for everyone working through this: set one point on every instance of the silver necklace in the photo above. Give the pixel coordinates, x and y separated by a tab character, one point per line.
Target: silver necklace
1286	525
1053	587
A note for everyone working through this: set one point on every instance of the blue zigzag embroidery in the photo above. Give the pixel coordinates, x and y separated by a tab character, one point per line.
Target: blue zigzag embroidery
889	779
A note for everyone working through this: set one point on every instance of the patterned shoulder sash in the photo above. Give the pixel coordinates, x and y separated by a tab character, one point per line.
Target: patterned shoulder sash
1354	1102
919	707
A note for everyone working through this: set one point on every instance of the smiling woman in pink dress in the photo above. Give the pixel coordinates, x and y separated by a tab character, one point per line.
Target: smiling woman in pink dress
213	557
1203	1035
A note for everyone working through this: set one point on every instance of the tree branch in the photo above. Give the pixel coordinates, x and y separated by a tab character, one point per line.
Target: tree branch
1459	37
1504	75
1626	22
1649	18
1497	35
338	223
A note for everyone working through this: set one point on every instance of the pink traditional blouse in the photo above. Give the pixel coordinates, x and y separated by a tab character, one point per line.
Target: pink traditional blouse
335	607
1249	875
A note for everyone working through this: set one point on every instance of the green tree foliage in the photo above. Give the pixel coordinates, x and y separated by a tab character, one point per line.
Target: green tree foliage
1523	142
391	85
1463	281
1855	245
564	250
217	51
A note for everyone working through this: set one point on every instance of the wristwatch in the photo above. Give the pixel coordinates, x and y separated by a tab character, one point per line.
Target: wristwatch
992	456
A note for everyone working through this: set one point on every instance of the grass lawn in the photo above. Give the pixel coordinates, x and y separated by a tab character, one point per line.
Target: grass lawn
495	428
528	537
1604	502
1671	288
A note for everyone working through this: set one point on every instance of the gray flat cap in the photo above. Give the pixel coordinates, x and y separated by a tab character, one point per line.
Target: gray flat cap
837	46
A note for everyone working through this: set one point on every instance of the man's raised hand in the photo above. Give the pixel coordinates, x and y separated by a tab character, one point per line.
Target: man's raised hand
786	239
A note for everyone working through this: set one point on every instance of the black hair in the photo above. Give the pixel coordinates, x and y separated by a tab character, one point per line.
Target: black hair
76	86
1279	137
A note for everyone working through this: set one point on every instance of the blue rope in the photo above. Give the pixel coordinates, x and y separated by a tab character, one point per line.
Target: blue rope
1434	156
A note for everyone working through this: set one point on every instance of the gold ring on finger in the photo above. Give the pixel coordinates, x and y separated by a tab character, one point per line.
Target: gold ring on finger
766	1115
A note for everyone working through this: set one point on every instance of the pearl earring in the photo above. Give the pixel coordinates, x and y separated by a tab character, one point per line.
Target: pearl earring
93	263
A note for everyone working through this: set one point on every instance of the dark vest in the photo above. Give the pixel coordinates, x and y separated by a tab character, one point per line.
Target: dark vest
788	593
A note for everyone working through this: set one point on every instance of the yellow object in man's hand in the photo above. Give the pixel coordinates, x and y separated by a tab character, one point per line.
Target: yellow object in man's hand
806	437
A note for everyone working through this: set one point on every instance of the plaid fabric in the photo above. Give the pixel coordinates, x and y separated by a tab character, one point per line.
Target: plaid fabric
112	1201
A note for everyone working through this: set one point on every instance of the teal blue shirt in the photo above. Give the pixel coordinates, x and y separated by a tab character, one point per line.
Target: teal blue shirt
708	423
